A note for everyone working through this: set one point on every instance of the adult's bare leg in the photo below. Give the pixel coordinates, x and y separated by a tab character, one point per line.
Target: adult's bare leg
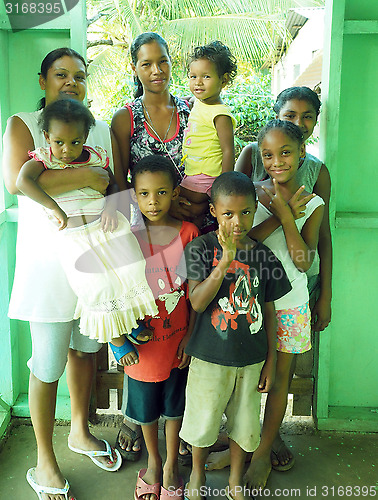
80	372
42	401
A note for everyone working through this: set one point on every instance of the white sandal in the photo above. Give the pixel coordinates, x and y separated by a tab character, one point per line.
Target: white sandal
101	453
48	490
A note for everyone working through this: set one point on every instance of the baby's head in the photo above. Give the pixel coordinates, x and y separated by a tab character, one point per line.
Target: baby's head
155	182
233	200
214	62
299	105
281	145
66	124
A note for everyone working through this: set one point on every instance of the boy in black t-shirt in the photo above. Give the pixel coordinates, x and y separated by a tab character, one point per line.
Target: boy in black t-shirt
233	281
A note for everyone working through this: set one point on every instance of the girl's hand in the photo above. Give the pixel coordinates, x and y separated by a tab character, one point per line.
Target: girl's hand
227	241
98	179
59	217
298	203
109	219
321	314
278	205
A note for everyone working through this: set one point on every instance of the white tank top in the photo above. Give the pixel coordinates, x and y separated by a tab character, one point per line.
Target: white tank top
277	243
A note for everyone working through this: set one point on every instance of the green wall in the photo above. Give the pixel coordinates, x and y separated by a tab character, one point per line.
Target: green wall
348	369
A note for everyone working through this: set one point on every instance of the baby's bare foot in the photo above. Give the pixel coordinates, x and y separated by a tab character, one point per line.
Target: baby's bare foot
129	359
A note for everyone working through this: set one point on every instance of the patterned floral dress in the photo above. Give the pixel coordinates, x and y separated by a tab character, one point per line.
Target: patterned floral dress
143	143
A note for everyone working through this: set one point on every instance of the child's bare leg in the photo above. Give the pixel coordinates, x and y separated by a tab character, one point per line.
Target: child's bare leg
197	476
170	469
282	455
153	473
260	467
237	459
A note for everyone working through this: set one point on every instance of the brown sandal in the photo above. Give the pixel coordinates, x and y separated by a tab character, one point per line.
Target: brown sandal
131	456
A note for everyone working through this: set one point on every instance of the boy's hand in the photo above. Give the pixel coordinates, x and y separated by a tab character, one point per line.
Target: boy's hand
298	203
267	376
227	241
109	219
59	216
185	359
278	205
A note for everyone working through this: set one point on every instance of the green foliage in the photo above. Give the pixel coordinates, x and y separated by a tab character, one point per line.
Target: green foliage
251	102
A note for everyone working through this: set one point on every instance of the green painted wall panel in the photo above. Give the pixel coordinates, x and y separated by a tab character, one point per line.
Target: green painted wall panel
353	368
26	51
358	131
361	9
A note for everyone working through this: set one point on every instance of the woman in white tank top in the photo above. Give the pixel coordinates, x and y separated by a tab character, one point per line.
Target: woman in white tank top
41	293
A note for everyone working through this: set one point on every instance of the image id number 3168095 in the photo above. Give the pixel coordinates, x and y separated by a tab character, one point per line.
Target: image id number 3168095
348	491
13	8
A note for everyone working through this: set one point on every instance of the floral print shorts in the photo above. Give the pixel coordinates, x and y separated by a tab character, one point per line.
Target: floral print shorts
294	329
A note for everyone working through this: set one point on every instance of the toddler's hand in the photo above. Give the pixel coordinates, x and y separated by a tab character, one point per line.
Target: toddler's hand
227	241
59	217
109	220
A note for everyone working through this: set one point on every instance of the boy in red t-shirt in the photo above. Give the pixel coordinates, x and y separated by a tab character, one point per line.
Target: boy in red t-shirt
155	386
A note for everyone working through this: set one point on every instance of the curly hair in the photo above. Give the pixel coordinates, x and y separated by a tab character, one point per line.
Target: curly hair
218	54
67	111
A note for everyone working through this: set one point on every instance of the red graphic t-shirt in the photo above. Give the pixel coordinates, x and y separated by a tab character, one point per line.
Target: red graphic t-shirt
159	356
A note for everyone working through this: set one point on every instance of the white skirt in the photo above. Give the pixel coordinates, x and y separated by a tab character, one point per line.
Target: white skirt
107	273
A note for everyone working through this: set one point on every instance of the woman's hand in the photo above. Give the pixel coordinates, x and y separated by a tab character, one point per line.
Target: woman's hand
98	179
298	203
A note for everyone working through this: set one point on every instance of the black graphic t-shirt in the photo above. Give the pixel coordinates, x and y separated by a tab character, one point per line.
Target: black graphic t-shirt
231	330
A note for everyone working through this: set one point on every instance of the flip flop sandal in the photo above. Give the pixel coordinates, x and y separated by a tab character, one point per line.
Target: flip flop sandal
187	498
47	490
142	488
186	459
131	456
101	453
279	467
177	494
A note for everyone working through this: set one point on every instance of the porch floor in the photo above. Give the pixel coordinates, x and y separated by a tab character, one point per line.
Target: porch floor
326	463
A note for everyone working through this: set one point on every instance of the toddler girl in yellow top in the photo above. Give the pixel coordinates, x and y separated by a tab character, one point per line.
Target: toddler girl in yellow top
208	146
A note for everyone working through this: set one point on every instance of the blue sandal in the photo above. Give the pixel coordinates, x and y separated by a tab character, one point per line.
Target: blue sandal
120	351
132	336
